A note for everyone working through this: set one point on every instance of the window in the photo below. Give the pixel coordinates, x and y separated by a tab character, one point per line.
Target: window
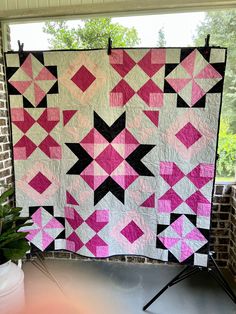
143	31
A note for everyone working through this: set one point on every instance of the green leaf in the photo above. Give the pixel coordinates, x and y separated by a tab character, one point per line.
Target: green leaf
15	250
6	194
11	237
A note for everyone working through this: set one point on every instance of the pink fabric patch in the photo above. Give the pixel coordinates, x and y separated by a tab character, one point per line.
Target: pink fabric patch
132	232
102	251
207	170
152	62
70	199
169	201
199	204
164	206
166	168
95	244
197	93
83	78
74	243
109	159
23	148
177	225
158	56
116	57
46	239
121	94
39	94
116	99
204	209
51	148
20	85
73	218
45	75
37	217
40	183
201	175
188	135
98	220
127	62
156	100
171	173
151	94
152	116
20	153
17	114
178	83
149	202
27	66
189	63
186	251
49	119
68	115
208	72
168	242
22	119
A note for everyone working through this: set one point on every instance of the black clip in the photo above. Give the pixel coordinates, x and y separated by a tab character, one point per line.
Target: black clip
21	47
207	41
109	46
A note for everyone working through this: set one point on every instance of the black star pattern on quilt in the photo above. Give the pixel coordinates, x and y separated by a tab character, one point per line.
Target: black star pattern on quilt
118	163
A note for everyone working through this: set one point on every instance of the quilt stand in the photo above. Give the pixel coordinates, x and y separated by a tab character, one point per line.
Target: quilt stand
213	270
40	264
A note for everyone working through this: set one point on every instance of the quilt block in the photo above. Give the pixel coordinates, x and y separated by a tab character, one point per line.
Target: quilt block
116	154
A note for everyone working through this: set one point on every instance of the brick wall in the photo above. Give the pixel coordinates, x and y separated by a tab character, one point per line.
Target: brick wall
232	235
221	214
6	178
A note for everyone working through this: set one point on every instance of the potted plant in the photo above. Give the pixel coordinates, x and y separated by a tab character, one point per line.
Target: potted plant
13	247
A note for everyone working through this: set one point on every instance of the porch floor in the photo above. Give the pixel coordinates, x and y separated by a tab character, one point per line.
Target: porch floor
118	288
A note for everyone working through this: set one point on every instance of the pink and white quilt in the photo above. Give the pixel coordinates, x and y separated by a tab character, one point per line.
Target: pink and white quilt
116	154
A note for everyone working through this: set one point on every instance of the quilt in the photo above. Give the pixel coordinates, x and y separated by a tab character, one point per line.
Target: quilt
115	154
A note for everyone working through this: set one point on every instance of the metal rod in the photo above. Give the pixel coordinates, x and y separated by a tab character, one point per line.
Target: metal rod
190	274
228	292
44	269
187	272
219	273
169	284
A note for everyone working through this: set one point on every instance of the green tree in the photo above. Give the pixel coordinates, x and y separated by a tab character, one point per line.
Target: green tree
90	33
226	150
161	41
221	25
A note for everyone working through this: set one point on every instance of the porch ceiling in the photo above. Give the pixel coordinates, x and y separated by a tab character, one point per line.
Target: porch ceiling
23	9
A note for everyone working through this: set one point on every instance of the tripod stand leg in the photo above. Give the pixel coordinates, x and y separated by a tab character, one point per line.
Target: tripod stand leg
176	279
220	283
218	276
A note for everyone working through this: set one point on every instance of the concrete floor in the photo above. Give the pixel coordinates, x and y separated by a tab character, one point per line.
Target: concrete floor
118	288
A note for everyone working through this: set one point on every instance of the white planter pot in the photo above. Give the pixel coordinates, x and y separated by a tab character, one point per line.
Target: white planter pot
12	299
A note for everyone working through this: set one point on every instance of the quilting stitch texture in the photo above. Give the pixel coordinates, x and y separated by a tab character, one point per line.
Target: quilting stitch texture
116	154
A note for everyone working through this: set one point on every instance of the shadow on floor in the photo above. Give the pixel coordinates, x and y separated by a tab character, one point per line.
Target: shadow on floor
95	287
